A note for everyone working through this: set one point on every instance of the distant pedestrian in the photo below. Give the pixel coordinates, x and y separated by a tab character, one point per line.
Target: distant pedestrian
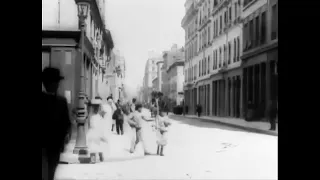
272	114
55	124
133	105
118	116
187	109
199	110
113	108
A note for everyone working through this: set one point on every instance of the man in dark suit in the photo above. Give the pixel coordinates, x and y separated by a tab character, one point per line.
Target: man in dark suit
272	114
55	122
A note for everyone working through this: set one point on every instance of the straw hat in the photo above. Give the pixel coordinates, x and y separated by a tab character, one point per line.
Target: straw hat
96	102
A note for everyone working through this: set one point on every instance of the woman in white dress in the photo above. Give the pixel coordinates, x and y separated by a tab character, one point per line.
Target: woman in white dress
95	132
108	108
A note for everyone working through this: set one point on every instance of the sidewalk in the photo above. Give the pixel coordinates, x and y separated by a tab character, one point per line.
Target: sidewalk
258	127
119	151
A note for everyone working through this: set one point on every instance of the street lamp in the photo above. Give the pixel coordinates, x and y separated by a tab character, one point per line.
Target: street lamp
82	112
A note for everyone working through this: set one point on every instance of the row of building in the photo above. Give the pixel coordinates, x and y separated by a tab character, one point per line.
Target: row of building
231	55
87	61
164	73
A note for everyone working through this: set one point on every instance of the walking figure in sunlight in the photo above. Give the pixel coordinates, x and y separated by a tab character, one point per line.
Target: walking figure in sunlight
95	133
162	133
140	124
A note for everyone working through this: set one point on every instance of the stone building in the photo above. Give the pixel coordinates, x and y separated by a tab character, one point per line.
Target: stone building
61	37
213	53
260	55
231	56
150	74
174	65
115	76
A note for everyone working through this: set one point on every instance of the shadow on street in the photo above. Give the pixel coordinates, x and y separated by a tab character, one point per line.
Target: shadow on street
202	123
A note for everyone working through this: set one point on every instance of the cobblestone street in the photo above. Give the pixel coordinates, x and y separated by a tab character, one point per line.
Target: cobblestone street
196	150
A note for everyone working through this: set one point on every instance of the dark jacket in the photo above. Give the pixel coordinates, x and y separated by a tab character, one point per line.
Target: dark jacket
117	115
55	123
271	111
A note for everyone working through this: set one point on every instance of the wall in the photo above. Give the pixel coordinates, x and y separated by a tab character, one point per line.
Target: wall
54	13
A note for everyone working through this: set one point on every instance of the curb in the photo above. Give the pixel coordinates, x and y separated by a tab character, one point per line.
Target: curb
249	129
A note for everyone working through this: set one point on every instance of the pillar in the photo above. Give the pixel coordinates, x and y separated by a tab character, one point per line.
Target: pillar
253	85
226	96
209	100
241	84
268	83
218	98
238	96
232	97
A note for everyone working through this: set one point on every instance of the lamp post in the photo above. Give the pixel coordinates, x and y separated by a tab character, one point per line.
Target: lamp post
82	112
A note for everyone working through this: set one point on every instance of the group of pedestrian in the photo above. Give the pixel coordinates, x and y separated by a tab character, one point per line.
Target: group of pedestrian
102	116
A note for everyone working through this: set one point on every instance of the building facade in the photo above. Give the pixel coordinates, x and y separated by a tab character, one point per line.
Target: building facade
260	55
226	42
213	53
174	65
150	74
161	75
115	76
155	84
61	47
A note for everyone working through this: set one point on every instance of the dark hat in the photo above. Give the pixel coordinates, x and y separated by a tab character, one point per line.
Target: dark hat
50	74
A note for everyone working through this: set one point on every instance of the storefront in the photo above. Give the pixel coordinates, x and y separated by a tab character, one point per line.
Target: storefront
259	82
60	50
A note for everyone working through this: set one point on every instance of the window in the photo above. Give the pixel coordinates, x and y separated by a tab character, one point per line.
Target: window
235	10
200	42
213	59
251	35
204	66
245	42
274	31
224	54
199	67
220	57
226	17
238	49
216	27
216	66
230	14
257	31
209	38
195	73
208	65
220	28
45	59
229	51
196	46
235	50
186	75
263	28
192	71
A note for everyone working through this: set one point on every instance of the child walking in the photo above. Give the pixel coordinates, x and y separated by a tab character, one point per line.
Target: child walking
162	125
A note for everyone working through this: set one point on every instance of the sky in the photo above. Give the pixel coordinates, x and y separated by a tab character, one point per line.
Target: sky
138	26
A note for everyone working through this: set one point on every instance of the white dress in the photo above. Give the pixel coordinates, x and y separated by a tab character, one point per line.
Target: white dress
107	119
95	133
